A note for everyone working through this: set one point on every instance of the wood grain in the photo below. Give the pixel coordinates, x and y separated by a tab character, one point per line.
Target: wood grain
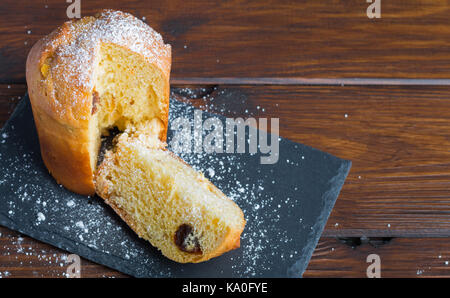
262	39
10	96
372	91
397	138
400	257
21	256
310	81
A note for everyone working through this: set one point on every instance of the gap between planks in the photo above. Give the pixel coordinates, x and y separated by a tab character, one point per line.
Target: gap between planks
310	81
298	81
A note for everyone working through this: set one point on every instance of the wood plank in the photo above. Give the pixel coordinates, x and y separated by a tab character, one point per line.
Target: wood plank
21	256
10	96
274	39
310	81
400	257
397	137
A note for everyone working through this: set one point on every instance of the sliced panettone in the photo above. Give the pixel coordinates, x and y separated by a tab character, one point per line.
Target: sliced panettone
167	202
91	75
111	72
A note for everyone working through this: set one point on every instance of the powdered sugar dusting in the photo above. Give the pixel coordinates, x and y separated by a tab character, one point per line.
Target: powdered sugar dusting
75	53
40	217
262	211
278	231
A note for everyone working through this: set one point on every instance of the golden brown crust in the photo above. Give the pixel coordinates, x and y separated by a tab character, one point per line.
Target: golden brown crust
60	88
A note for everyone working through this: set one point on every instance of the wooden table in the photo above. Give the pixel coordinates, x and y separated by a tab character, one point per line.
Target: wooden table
375	91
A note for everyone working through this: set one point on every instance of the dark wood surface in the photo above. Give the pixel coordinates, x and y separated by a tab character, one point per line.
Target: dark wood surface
21	256
373	91
398	138
279	38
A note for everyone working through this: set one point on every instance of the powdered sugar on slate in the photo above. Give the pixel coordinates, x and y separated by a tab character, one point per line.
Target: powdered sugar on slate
231	174
88	227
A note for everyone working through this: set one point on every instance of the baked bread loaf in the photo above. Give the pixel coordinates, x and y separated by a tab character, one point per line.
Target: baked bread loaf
112	71
167	202
90	75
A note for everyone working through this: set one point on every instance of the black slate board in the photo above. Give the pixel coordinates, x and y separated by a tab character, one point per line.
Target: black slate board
286	206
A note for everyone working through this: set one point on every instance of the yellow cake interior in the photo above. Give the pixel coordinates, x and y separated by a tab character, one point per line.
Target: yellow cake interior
127	92
160	194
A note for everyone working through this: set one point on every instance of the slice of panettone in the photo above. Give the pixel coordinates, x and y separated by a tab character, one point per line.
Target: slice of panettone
167	202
